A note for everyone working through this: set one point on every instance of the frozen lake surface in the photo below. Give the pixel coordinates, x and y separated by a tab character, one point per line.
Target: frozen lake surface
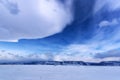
44	72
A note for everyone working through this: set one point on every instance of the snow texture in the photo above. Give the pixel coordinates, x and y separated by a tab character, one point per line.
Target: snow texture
38	72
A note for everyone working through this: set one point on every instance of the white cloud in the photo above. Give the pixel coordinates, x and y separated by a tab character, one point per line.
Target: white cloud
86	59
110	4
106	23
108	32
87	52
75	52
9	56
33	19
12	6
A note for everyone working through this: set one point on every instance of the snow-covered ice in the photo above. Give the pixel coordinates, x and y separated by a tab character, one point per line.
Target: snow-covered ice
45	72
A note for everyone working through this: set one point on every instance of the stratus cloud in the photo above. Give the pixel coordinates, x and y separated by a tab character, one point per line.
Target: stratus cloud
13	56
33	19
108	54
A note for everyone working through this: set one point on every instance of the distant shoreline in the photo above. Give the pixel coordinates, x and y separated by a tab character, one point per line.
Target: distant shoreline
78	63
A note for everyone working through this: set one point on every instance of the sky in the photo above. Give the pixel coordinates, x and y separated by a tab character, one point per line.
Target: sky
78	30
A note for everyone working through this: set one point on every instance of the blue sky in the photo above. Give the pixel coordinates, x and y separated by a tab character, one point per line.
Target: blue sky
60	30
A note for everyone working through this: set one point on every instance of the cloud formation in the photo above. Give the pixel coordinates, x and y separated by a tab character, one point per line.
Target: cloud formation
93	38
106	23
108	54
110	4
37	19
11	6
12	56
9	56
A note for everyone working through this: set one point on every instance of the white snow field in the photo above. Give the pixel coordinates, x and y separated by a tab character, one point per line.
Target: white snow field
44	72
